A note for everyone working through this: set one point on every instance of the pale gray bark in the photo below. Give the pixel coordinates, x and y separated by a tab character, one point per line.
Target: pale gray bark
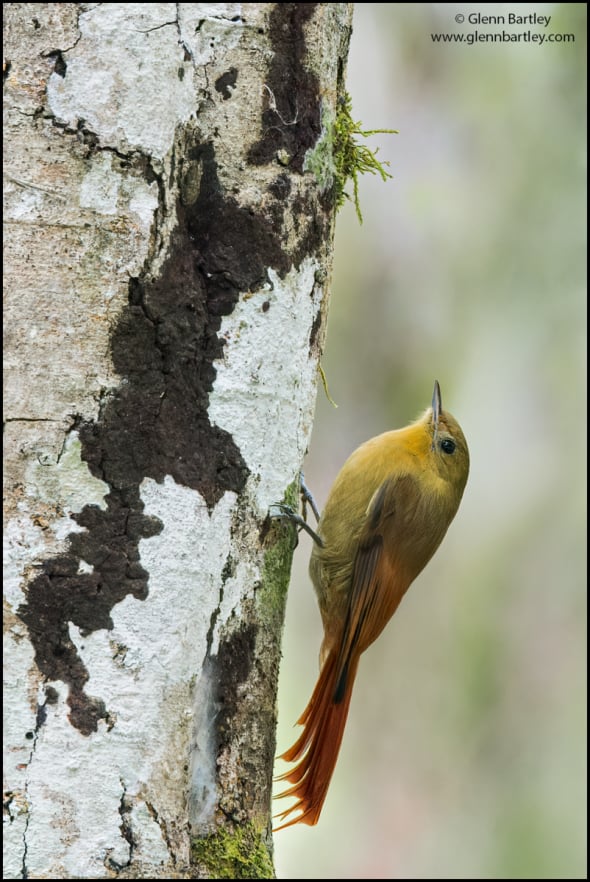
169	222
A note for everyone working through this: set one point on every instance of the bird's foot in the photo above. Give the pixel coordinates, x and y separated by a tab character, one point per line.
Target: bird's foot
286	513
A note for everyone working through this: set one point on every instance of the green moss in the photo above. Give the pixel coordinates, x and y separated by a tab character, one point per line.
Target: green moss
351	158
338	157
240	853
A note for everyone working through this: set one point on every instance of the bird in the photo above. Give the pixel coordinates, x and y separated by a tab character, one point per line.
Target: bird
385	516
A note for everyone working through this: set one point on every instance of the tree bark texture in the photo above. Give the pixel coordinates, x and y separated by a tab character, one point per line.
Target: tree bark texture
169	215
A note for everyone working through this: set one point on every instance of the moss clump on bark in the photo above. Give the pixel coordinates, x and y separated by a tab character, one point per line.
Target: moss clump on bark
238	853
338	158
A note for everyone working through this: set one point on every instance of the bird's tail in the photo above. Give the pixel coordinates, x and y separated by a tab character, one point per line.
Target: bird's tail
316	749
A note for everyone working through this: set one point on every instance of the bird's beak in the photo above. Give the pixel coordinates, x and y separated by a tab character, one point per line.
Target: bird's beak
436	404
436	409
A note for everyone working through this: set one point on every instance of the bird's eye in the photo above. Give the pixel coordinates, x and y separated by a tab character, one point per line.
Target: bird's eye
447	445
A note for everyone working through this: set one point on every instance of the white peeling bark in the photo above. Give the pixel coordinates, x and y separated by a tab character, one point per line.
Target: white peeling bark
167	258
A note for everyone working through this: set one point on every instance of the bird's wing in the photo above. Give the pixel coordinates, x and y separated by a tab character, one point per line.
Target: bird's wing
378	582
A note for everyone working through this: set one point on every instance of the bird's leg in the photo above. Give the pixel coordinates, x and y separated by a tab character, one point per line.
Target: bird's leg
307	497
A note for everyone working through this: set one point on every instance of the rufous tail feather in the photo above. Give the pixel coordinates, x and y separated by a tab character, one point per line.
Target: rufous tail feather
316	749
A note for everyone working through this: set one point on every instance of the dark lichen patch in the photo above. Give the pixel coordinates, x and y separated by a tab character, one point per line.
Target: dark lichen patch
291	115
313	234
167	341
51	695
233	663
60	66
234	245
280	187
86	711
61	594
154	424
225	83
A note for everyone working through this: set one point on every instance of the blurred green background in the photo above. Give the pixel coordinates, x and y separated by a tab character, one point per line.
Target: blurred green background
465	750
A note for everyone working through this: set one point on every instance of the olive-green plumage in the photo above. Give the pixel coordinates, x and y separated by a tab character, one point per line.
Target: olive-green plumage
387	512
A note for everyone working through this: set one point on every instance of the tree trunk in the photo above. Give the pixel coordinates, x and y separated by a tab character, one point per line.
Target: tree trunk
169	222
